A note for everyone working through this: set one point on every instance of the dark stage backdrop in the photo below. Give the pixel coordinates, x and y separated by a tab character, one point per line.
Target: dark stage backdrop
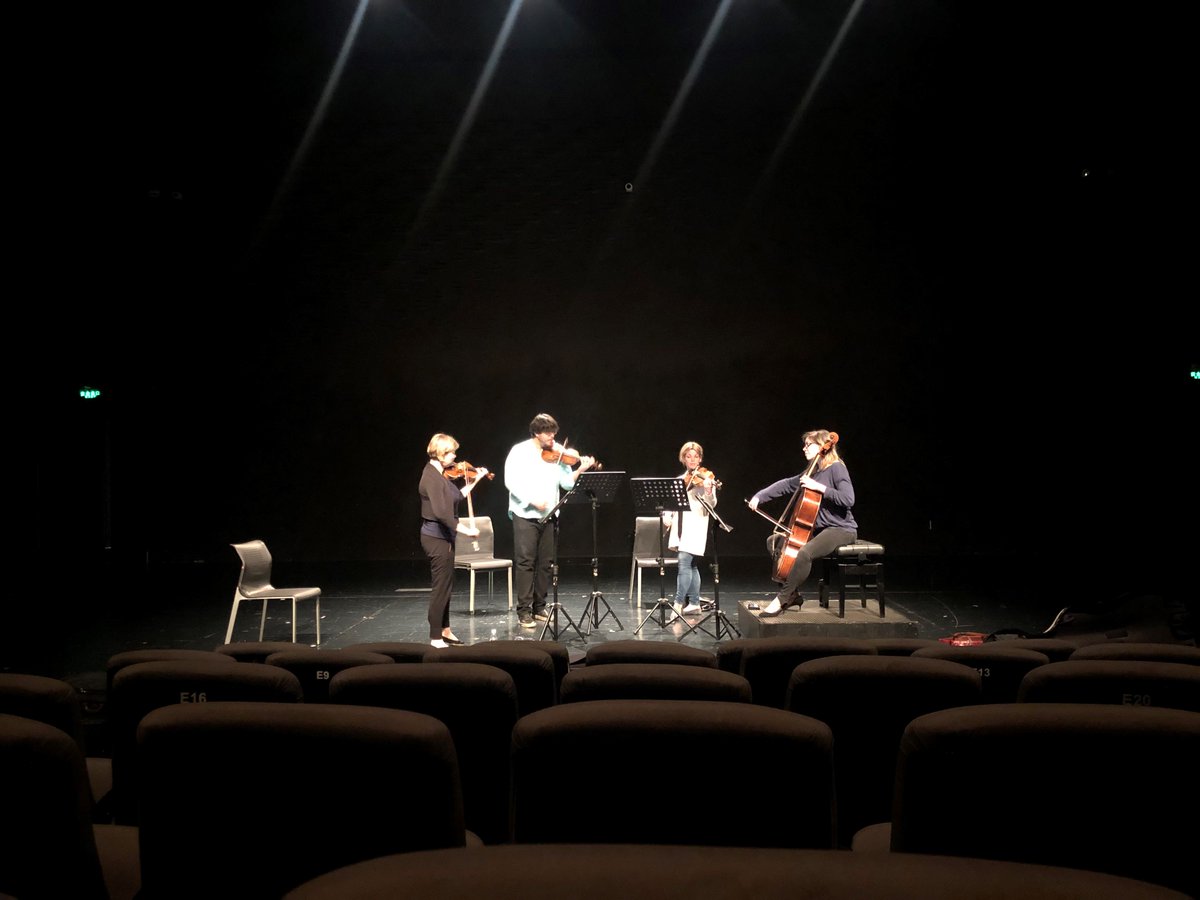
306	235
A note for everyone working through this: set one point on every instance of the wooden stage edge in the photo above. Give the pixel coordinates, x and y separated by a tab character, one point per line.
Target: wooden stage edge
810	620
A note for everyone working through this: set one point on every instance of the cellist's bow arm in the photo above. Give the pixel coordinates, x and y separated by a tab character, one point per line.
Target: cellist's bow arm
779	526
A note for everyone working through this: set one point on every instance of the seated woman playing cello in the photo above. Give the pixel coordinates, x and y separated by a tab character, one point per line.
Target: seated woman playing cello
826	488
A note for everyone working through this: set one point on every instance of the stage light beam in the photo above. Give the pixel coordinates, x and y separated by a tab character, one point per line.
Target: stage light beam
469	115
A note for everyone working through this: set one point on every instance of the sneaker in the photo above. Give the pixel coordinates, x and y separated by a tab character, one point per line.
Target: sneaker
691	609
678	607
541	615
526	619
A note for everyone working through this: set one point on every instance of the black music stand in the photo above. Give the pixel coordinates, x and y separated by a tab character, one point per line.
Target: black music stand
660	495
554	609
721	621
596	488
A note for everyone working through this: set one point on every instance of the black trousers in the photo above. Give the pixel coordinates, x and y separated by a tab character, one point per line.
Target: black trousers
820	544
441	570
533	552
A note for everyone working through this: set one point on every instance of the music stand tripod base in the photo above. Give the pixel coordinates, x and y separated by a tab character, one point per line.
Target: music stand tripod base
596	488
723	627
659	495
553	610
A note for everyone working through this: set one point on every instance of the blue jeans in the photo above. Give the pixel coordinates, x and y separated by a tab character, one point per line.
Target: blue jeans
688	584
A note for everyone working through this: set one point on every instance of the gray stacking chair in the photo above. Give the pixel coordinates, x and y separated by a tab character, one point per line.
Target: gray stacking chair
254	583
645	552
482	560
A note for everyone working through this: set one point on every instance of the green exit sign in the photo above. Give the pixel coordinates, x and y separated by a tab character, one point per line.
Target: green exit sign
89	393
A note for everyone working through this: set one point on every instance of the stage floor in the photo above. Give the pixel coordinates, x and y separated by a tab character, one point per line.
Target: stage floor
186	606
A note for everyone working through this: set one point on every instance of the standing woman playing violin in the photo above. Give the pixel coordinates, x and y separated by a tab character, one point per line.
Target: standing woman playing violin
689	529
534	472
834	525
439	526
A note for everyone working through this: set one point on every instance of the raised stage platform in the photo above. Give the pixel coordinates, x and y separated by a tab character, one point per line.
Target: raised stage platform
810	620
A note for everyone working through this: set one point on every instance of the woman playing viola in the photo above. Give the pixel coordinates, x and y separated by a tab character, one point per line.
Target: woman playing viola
689	529
834	525
439	526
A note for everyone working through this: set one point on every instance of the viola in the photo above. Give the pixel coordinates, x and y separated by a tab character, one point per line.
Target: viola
463	469
699	474
561	454
466	470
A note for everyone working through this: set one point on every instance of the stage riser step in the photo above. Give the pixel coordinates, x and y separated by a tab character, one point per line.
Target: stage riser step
812	621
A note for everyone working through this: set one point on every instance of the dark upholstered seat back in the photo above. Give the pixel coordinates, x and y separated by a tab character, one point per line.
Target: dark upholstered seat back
143	687
477	702
1128	682
1000	667
867	701
532	670
47	846
621	871
654	681
329	785
592	736
768	663
315	668
1088	786
632	651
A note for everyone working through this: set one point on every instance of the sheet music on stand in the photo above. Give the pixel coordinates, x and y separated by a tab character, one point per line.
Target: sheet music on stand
600	486
657	496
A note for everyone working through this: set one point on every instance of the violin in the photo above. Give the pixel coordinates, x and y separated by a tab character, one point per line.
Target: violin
701	474
463	469
571	457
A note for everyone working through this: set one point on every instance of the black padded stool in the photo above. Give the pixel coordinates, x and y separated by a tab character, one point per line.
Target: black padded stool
861	559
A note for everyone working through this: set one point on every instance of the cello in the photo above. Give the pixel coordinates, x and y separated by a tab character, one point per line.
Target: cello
800	517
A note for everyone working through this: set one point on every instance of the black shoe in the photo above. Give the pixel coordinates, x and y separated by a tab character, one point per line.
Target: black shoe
526	619
450	639
541	615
